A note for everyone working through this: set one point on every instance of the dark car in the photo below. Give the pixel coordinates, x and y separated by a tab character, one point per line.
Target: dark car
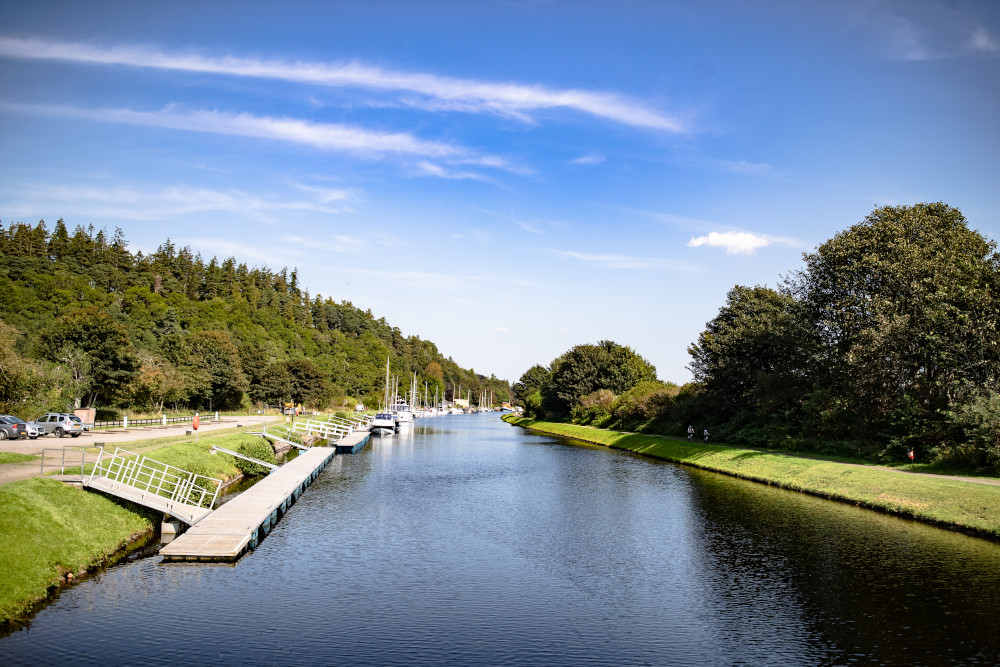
13	428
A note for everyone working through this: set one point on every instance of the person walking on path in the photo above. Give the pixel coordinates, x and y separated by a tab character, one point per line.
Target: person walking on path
706	435
690	432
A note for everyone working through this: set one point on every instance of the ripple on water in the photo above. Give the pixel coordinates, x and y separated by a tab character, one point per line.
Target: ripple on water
469	541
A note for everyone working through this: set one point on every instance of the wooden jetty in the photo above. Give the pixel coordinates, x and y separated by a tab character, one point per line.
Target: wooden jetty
236	527
353	442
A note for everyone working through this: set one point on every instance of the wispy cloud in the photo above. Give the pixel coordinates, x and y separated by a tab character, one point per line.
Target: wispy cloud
423	90
430	169
526	227
327	195
984	42
627	262
906	30
136	202
742	167
438	282
338	243
588	159
327	136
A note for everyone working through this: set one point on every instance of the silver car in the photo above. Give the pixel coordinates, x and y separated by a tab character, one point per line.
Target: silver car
59	424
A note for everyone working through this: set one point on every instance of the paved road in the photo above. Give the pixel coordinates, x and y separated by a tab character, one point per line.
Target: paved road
118	437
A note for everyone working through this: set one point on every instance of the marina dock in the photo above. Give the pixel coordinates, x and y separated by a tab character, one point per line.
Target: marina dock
236	527
353	442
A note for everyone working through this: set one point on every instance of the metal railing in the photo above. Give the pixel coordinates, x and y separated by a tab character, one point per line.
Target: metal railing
76	453
153	421
326	429
162	479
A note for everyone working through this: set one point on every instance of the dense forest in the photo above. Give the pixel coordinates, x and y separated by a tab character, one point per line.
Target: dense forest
886	343
85	322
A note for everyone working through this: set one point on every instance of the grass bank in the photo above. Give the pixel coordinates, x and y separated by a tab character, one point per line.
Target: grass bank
969	506
49	530
10	457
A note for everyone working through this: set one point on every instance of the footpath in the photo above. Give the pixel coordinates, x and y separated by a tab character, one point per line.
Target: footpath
110	438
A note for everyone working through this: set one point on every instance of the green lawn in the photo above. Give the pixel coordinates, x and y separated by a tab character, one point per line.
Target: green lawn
10	457
969	505
48	528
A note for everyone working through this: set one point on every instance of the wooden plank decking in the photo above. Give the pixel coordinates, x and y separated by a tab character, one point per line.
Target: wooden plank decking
228	532
353	442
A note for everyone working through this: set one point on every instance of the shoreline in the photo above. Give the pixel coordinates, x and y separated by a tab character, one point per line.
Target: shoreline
960	505
56	535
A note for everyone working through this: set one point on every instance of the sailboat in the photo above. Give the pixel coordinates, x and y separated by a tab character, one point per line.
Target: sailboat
385	422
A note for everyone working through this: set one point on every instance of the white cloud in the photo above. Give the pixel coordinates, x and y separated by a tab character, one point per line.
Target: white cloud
735	243
501	329
588	159
433	92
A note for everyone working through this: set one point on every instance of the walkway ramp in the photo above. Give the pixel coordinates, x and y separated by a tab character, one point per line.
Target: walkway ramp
159	486
241	523
264	433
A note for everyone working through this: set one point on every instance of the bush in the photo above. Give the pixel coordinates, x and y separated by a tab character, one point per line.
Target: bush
107	415
256	448
977	434
648	401
595	408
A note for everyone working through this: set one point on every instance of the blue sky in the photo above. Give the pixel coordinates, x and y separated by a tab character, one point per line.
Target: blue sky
506	179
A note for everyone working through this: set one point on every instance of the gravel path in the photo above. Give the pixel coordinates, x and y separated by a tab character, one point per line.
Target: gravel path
10	472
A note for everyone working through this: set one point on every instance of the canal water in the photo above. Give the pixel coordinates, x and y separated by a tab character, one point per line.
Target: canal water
468	541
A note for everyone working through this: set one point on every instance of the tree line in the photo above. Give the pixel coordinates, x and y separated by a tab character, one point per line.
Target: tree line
886	343
84	321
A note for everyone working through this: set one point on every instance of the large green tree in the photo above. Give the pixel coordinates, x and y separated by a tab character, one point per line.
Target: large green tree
906	307
99	351
215	363
586	368
751	357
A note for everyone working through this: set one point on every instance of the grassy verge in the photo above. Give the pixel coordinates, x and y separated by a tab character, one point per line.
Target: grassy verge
10	457
970	506
48	529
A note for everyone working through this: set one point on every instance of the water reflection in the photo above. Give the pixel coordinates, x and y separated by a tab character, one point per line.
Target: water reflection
463	540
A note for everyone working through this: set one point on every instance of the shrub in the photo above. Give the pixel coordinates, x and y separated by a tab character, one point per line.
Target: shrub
256	448
595	408
648	401
977	434
107	415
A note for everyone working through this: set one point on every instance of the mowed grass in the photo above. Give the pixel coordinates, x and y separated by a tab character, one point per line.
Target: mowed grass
47	529
187	454
969	505
11	457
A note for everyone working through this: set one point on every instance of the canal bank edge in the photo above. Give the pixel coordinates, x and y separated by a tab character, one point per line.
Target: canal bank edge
948	503
52	535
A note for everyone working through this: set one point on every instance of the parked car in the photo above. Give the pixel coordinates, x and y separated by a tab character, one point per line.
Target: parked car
59	424
12	428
